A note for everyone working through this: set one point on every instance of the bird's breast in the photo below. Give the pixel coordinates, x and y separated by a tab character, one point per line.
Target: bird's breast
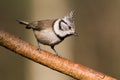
47	37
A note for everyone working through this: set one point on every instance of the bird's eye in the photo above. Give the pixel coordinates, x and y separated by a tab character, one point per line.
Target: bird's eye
69	27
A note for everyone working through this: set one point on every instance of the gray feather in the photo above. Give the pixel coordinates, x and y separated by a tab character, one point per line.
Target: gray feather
23	22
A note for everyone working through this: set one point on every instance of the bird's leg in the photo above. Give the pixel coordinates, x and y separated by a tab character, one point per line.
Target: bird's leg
38	45
55	51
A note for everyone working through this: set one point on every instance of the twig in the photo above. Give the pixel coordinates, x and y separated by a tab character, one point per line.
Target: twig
62	65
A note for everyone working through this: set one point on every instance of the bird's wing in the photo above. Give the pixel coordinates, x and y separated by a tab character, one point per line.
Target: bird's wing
42	24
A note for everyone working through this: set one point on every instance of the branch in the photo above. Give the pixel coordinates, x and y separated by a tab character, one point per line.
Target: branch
45	58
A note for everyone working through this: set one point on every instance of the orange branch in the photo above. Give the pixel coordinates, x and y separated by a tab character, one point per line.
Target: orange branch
62	65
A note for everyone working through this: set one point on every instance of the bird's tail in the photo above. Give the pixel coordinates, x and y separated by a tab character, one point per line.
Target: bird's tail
23	22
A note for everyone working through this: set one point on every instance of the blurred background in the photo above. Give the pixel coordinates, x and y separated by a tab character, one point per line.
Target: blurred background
98	47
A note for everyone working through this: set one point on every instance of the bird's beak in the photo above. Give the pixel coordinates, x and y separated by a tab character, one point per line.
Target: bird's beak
75	34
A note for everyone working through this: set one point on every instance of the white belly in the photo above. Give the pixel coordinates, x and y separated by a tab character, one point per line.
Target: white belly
47	37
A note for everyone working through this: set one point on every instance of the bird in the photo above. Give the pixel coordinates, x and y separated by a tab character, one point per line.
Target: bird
51	31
